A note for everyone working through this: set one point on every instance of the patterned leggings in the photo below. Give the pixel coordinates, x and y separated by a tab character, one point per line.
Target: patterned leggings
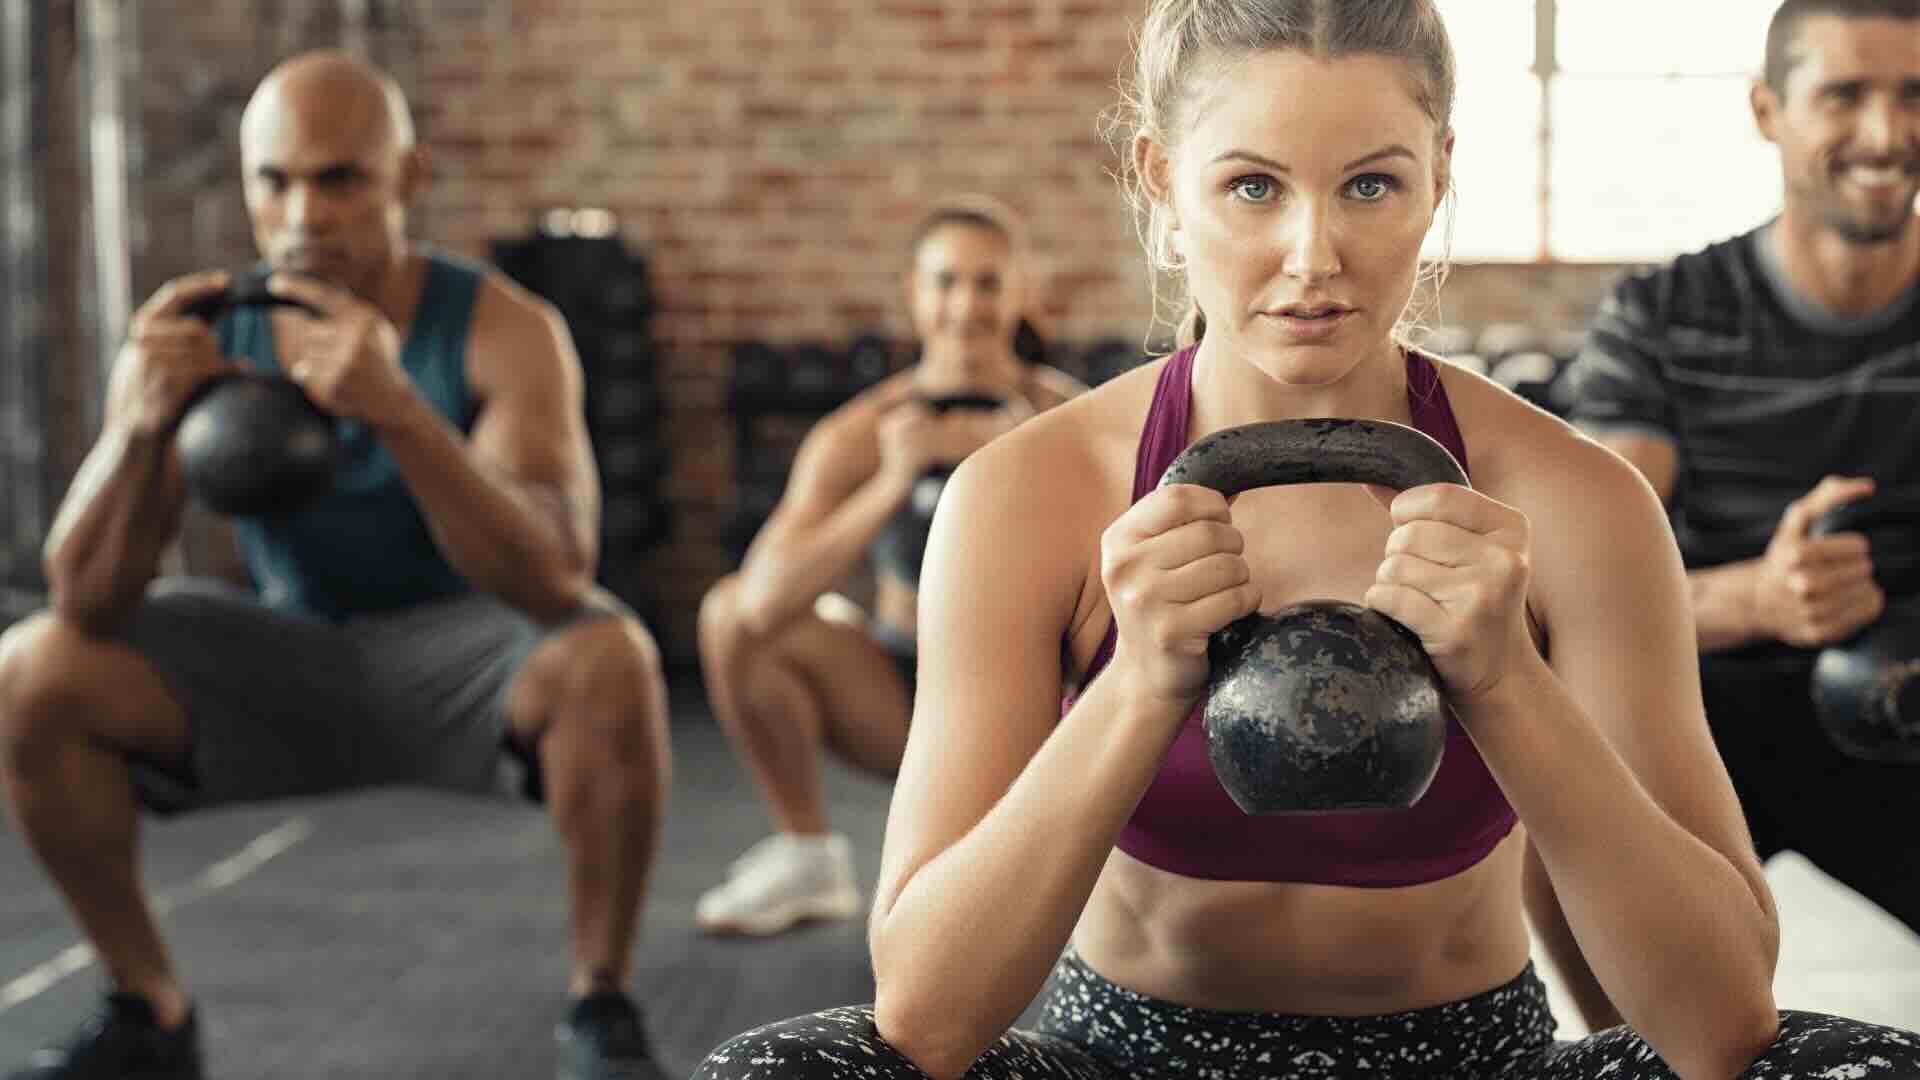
1091	1029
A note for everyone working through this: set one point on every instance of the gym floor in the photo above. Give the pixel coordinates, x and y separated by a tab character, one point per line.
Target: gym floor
402	933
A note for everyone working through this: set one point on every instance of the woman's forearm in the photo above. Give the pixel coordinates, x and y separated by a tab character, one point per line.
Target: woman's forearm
972	935
1683	942
781	579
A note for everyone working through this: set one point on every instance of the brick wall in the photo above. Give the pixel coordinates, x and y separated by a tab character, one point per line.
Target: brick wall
767	158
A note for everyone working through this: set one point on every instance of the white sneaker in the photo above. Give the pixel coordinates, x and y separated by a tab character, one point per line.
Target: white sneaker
782	880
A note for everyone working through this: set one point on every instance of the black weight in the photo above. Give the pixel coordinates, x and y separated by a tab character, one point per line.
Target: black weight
624	405
632	463
253	444
869	359
902	546
754	500
1530	374
626	299
1108	359
759	376
1891	524
246	289
1323	706
815	372
1028	345
634	521
1866	693
946	403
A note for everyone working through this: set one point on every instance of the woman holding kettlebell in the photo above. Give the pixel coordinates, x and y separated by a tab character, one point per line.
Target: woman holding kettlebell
793	670
1056	813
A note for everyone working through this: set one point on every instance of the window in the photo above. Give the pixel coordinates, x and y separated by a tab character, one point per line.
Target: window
1614	130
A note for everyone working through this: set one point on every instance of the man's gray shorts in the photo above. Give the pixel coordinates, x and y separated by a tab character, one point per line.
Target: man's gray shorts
282	706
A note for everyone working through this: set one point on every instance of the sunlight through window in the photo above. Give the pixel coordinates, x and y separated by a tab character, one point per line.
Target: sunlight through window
1646	148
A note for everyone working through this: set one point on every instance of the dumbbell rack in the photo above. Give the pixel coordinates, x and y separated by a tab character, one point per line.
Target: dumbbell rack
577	261
1526	360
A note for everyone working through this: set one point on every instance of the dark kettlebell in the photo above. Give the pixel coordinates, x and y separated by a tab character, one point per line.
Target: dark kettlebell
903	544
252	444
978	402
1866	690
1322	706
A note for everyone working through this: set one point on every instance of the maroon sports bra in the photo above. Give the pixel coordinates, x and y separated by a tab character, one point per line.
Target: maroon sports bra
1186	824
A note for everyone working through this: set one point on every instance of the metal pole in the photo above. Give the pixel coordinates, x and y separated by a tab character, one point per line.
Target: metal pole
1546	66
353	28
105	49
23	291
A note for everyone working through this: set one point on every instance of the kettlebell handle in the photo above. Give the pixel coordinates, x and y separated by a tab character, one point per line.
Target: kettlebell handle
1315	451
1890	520
245	289
946	403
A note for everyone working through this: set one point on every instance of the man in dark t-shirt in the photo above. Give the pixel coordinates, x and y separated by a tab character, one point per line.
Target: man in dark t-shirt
1758	384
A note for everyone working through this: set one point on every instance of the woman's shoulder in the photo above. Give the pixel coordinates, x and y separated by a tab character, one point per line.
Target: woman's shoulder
1529	458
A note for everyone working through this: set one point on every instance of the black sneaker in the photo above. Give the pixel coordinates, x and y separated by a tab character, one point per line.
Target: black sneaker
603	1040
122	1042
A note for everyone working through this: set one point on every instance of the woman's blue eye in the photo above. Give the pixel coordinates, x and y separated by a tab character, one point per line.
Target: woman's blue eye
1253	188
1373	187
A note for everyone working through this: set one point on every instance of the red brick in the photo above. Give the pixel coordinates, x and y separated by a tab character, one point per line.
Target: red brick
957	43
911	9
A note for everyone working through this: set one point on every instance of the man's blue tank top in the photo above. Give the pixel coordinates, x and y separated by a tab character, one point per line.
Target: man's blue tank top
364	547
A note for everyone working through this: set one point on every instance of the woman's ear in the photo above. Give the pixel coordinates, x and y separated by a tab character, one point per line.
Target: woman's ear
1150	164
1443	169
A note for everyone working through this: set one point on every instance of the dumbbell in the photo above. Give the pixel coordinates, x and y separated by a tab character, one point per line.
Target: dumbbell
634	463
635	520
1529	374
869	359
625	404
815	377
759	376
1108	358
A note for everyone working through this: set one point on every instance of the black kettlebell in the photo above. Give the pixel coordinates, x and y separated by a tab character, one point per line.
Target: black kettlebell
1322	706
903	544
252	444
1866	690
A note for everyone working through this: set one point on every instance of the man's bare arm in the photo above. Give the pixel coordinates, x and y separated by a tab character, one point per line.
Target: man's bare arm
515	505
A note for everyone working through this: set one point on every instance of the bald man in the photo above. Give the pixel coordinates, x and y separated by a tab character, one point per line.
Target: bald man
433	620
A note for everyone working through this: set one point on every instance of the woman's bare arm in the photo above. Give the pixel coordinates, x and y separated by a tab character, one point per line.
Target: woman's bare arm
1608	760
837	501
1004	813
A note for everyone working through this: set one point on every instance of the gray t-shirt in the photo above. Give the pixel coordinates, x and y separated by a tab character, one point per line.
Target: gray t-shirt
1760	390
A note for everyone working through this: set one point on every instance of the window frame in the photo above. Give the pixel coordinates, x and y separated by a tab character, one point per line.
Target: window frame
1547	73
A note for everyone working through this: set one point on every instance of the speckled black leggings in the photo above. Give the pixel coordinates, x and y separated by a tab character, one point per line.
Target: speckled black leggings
1091	1029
